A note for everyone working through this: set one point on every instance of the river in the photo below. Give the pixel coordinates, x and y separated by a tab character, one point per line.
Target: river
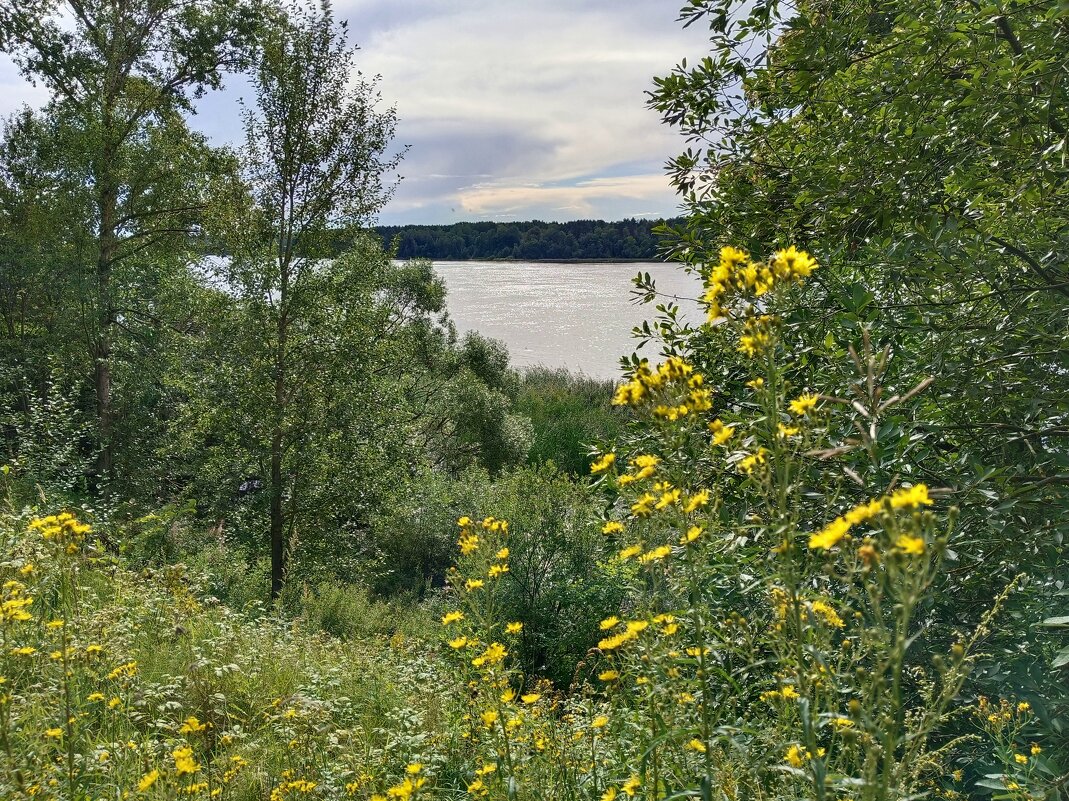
577	316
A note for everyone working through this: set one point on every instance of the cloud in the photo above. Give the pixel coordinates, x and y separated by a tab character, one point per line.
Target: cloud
547	97
510	110
581	199
16	91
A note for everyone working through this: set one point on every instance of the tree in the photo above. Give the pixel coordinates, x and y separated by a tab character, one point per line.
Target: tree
314	161
121	76
921	154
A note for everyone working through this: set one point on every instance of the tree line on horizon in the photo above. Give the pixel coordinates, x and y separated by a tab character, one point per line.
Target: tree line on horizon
583	240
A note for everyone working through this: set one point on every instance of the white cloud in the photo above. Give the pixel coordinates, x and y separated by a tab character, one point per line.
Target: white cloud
578	200
532	108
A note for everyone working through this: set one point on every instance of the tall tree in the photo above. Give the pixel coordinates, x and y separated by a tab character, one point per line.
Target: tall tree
315	160
122	73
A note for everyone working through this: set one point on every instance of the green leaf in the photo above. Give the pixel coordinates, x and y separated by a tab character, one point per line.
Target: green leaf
1061	659
1061	622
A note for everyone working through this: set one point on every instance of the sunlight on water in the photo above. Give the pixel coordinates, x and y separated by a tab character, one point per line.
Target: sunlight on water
577	316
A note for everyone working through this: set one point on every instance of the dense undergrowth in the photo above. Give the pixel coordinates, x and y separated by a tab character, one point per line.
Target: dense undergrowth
746	605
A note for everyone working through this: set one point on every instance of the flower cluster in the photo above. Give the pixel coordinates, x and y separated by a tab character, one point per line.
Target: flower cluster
908	498
674	388
737	276
64	529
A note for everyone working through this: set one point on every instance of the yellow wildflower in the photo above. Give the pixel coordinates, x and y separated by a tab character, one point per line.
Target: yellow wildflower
804	404
721	432
644	505
748	464
655	555
148	780
469	543
612	527
184	761
792	263
914	546
602	464
513	628
669	498
692	534
642	461
129	669
830	535
696	501
495	652
452	617
911	497
192	726
827	613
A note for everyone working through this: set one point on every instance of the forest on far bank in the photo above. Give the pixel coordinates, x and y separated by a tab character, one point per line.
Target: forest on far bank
580	240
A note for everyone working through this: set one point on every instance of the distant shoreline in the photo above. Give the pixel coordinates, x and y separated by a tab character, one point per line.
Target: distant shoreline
557	261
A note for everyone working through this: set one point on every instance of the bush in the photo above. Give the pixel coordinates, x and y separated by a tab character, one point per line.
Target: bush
772	639
569	414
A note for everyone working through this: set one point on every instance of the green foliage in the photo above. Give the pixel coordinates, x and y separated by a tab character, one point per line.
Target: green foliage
921	153
580	240
558	588
568	413
775	637
151	688
112	163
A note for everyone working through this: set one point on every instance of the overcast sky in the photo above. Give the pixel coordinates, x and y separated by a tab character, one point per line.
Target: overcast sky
513	109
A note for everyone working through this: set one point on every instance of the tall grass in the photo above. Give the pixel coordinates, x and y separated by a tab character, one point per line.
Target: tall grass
570	413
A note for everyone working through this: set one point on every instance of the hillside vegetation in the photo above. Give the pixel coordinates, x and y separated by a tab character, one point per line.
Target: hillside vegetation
270	530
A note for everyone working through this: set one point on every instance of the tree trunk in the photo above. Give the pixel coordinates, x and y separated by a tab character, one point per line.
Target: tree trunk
107	250
278	545
279	549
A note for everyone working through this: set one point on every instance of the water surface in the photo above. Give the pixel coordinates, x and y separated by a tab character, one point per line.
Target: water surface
577	316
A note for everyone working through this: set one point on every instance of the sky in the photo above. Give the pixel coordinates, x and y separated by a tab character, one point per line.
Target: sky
510	109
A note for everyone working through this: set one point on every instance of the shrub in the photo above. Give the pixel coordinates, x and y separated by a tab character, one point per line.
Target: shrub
569	413
767	646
